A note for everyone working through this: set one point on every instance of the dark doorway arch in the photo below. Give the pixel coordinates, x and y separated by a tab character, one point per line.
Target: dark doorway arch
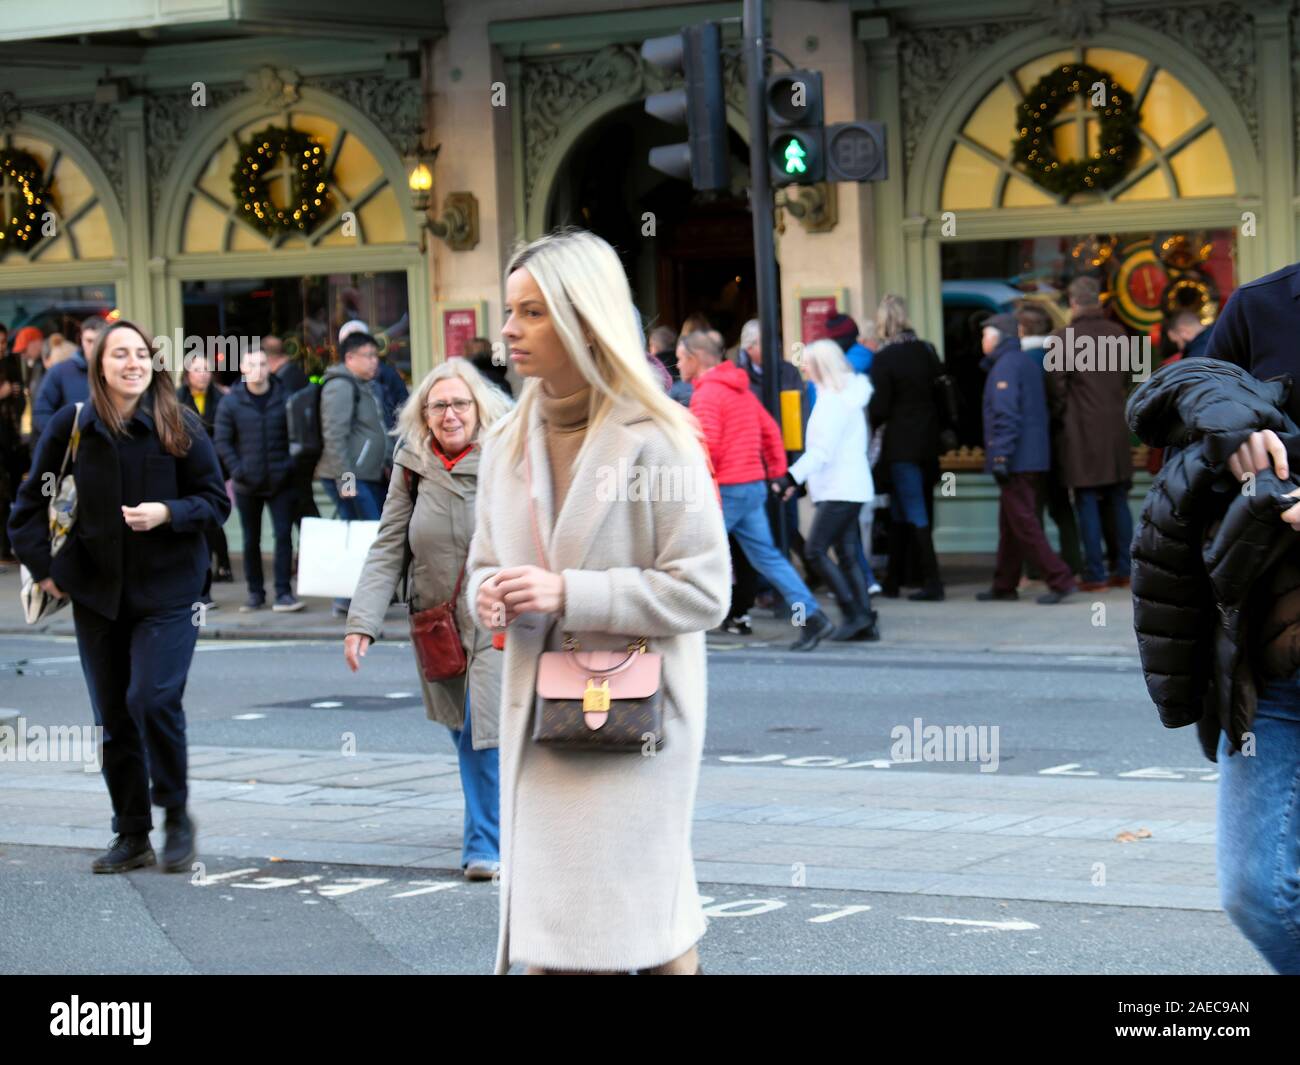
685	252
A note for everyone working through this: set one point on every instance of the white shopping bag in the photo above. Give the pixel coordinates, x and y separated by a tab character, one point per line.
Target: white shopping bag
331	554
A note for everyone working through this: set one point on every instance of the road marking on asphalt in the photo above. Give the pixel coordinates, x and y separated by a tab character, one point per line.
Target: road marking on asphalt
1069	769
213	878
326	704
348	884
399	695
433	886
996	926
248	717
843	911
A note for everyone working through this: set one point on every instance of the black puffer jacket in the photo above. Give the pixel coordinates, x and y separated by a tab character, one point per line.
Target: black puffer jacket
1214	575
254	442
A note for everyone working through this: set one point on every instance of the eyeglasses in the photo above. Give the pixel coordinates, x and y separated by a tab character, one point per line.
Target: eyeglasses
438	409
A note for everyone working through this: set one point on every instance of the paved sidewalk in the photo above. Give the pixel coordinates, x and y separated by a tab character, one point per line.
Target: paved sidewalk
1094	624
902	830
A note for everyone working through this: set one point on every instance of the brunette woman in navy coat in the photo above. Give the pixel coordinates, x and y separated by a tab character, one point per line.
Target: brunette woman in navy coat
148	486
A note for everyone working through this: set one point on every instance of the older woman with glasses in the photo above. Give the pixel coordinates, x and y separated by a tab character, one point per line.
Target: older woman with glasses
423	541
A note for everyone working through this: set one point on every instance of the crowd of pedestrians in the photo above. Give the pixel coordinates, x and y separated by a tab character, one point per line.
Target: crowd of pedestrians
542	610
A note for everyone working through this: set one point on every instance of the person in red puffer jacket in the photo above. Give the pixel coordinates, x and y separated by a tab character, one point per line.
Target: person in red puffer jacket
747	452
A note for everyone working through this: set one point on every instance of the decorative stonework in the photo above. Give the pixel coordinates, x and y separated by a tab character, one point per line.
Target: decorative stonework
395	106
98	129
1221	35
1078	19
554	90
167	122
927	61
274	88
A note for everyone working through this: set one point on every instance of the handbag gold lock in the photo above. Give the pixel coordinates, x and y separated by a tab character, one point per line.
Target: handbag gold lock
595	700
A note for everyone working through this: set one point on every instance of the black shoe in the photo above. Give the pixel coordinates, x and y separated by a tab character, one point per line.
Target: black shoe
125	852
854	626
1052	598
224	575
817	628
993	595
253	603
737	626
179	844
927	595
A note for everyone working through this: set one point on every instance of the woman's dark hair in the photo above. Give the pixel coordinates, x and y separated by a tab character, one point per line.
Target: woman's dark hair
168	417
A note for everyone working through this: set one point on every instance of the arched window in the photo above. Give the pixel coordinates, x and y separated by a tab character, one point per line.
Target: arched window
80	226
365	208
1181	153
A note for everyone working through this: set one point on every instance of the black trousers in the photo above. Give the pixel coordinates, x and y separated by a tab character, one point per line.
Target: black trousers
835	524
304	488
744	586
135	669
282	506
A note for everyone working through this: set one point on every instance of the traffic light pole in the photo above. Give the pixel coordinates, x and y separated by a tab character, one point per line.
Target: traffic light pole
760	203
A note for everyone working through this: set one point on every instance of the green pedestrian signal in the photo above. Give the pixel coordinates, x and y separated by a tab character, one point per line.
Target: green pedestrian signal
794	157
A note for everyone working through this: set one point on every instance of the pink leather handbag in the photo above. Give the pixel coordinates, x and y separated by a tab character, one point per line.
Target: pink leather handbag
611	702
604	701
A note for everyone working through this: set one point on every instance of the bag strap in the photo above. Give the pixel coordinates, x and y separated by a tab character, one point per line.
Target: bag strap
70	452
412	479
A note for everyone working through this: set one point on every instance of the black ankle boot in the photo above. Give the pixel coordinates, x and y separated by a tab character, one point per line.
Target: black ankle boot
179	846
896	569
127	851
922	542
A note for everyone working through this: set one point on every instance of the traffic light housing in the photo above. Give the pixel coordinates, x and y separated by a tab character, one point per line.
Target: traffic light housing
704	157
796	138
855	151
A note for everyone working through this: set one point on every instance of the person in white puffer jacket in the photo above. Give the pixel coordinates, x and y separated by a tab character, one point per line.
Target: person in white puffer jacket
838	477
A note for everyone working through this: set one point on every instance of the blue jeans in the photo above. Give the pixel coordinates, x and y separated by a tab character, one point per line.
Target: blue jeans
480	782
907	494
1088	502
1259	828
366	505
744	511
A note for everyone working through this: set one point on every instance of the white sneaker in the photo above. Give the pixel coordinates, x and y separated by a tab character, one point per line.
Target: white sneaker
875	588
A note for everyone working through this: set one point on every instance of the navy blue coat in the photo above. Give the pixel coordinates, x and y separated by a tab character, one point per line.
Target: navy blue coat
1258	326
104	562
64	383
254	444
1015	410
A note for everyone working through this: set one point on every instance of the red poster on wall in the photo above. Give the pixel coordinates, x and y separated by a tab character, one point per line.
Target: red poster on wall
813	312
459	327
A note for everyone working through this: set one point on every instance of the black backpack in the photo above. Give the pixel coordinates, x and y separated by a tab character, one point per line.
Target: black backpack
302	412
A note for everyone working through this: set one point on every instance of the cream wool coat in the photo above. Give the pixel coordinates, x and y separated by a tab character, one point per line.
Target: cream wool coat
597	872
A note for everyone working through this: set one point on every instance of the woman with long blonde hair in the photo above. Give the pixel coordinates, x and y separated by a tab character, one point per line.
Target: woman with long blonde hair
423	541
598	531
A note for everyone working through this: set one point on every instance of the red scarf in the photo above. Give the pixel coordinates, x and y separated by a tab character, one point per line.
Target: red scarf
447	463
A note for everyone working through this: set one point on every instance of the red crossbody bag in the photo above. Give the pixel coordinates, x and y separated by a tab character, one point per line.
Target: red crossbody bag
433	632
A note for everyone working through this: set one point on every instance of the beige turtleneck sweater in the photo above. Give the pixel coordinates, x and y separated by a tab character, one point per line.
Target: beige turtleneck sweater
565	418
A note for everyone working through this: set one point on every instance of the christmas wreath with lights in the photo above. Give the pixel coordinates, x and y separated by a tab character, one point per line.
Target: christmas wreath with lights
1117	144
308	198
19	229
